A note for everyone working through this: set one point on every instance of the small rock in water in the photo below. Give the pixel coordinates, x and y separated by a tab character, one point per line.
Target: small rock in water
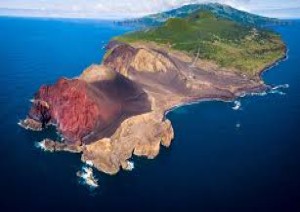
30	124
128	165
87	175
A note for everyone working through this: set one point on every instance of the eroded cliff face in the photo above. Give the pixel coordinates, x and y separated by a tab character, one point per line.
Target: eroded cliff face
70	105
118	108
85	109
141	135
165	73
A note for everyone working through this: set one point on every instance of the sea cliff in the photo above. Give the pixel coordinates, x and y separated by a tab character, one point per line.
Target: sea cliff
117	108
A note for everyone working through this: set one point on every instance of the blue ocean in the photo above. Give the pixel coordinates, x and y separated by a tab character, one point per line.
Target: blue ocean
221	159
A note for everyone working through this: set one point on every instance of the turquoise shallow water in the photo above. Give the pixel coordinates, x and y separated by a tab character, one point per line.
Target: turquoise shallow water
221	159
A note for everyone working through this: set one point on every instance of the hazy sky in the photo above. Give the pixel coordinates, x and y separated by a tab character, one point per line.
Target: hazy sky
133	8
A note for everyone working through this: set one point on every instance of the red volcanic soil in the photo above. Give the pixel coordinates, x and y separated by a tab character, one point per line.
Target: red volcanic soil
85	112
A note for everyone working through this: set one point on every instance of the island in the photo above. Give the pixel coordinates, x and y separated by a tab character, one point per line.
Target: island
117	109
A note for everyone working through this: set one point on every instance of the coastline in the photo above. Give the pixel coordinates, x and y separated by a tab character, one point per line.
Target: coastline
163	81
261	73
195	102
217	150
275	63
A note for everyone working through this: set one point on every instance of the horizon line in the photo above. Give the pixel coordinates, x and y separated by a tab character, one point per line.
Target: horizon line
56	14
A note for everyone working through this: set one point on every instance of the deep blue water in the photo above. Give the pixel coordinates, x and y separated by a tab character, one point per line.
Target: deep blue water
213	165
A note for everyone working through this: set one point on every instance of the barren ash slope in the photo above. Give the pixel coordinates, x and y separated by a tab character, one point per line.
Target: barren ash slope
117	108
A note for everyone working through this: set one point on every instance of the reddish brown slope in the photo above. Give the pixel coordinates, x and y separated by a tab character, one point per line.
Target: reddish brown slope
85	112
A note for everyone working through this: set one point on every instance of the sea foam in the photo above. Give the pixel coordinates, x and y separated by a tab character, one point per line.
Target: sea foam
89	162
237	105
41	145
278	89
130	166
87	177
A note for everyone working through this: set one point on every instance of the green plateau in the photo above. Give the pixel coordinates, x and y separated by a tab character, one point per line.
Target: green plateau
244	48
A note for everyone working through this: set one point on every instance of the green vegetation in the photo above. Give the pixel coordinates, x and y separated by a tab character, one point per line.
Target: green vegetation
219	10
226	42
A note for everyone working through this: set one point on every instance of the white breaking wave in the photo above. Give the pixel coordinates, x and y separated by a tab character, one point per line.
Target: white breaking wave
87	176
264	93
237	105
89	162
284	86
41	145
130	166
278	89
277	92
20	123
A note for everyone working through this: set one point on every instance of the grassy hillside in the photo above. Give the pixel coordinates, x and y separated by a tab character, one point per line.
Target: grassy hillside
226	42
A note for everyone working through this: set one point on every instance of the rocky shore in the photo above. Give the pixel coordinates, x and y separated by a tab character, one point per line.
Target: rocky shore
117	108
